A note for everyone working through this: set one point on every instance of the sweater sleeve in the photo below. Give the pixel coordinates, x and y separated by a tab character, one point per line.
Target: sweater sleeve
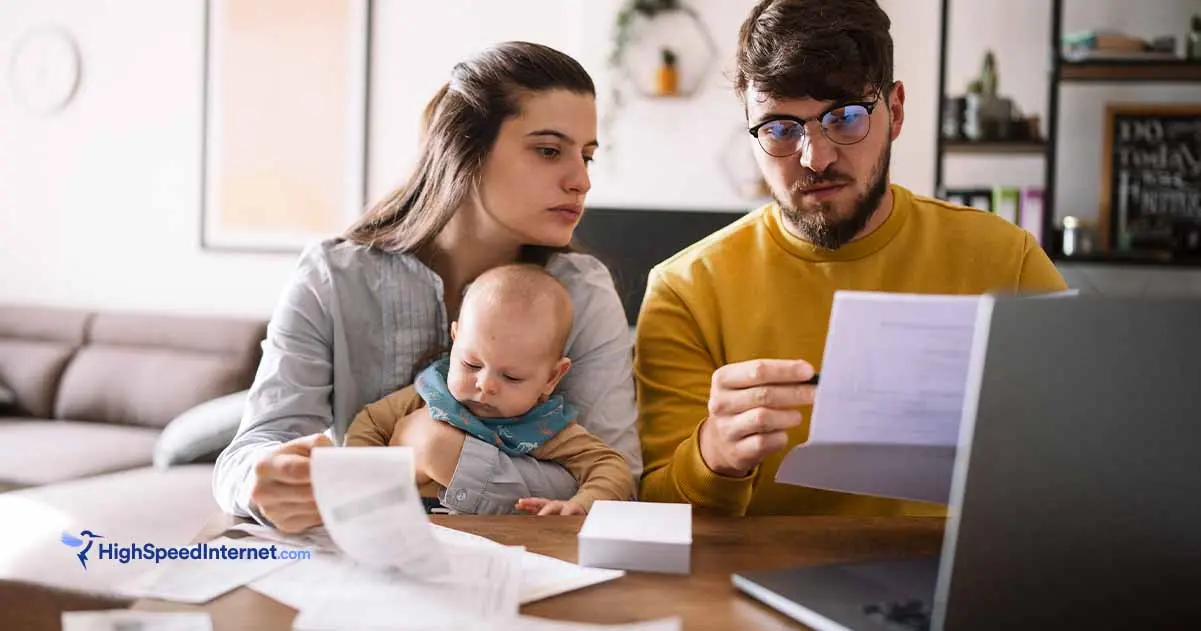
674	369
373	426
1038	273
601	472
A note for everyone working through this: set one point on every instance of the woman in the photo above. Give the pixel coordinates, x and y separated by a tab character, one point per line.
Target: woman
501	177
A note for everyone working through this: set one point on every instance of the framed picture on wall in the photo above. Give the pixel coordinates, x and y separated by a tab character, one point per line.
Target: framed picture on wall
285	122
1151	178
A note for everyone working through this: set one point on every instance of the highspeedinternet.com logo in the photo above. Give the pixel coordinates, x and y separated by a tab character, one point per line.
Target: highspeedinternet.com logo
90	548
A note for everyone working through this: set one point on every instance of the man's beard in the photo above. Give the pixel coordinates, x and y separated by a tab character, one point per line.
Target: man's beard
822	226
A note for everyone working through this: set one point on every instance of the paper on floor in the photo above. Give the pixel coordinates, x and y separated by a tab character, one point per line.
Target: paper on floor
370	505
122	620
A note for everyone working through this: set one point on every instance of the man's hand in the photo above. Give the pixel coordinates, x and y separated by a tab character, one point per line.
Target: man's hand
436	446
282	489
543	506
752	404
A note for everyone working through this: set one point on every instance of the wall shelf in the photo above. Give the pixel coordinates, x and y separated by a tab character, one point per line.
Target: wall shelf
1014	147
1127	70
1062	74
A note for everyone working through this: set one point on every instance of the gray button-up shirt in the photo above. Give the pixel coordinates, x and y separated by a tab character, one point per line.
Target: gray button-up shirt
349	329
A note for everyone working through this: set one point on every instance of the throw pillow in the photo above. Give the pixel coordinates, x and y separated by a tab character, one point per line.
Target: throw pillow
200	433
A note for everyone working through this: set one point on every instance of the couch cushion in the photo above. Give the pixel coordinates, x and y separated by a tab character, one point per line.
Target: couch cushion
40	452
148	369
44	323
35	345
147	387
32	368
166	508
8	399
201	433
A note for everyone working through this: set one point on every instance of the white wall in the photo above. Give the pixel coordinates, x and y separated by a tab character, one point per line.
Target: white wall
100	204
660	152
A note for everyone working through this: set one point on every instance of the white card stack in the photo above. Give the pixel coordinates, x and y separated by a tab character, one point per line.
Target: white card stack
638	536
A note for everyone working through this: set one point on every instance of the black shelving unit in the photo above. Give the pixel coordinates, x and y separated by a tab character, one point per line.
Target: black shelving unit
1059	73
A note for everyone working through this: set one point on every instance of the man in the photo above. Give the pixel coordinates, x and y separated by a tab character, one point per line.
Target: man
733	326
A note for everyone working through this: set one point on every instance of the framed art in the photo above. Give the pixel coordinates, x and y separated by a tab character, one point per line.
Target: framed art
1151	178
285	122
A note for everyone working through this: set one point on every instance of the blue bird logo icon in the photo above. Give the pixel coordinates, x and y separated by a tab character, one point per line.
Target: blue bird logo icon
74	542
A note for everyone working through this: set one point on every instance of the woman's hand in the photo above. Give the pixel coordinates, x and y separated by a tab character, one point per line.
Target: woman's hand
436	446
543	506
283	492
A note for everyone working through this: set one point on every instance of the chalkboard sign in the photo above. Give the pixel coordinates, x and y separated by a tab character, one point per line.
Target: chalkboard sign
1151	182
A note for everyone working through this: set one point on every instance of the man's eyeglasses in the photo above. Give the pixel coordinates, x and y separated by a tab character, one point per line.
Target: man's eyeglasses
844	124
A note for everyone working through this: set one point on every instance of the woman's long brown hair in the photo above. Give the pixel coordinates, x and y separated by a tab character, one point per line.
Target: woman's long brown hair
460	126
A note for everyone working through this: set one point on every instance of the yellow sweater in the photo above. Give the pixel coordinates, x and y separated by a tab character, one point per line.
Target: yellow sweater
753	290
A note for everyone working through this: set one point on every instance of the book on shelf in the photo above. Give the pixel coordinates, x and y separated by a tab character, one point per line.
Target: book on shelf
1030	213
1020	205
980	197
1005	202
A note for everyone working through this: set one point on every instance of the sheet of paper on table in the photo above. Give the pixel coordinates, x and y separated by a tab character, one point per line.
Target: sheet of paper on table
214	568
541	576
481	585
122	620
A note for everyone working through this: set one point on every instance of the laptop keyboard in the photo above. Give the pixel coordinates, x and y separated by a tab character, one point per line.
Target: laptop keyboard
909	615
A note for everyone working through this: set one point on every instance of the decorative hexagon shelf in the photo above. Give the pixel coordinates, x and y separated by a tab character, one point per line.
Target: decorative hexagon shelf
678	29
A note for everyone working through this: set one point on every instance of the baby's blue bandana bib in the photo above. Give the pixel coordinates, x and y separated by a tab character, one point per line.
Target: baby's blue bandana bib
516	436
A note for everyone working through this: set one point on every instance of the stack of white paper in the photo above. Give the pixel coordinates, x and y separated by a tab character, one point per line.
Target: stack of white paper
644	536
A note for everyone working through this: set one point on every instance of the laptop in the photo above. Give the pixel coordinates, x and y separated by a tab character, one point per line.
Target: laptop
1076	494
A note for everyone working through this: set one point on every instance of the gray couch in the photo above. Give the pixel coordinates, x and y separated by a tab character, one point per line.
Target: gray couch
109	422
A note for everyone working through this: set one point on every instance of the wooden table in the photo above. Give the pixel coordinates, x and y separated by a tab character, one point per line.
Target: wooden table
704	599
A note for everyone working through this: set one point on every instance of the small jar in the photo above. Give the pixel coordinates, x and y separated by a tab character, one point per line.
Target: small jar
1071	236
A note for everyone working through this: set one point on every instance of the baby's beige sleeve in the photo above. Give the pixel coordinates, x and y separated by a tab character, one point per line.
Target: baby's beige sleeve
374	425
601	472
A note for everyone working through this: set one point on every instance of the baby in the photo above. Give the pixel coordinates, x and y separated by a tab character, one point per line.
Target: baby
496	384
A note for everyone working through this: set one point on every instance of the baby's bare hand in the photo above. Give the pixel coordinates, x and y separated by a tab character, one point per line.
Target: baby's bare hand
543	506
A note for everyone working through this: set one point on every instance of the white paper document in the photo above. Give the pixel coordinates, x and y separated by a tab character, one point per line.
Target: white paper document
315	539
886	416
482	586
541	576
216	572
122	620
530	623
370	505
